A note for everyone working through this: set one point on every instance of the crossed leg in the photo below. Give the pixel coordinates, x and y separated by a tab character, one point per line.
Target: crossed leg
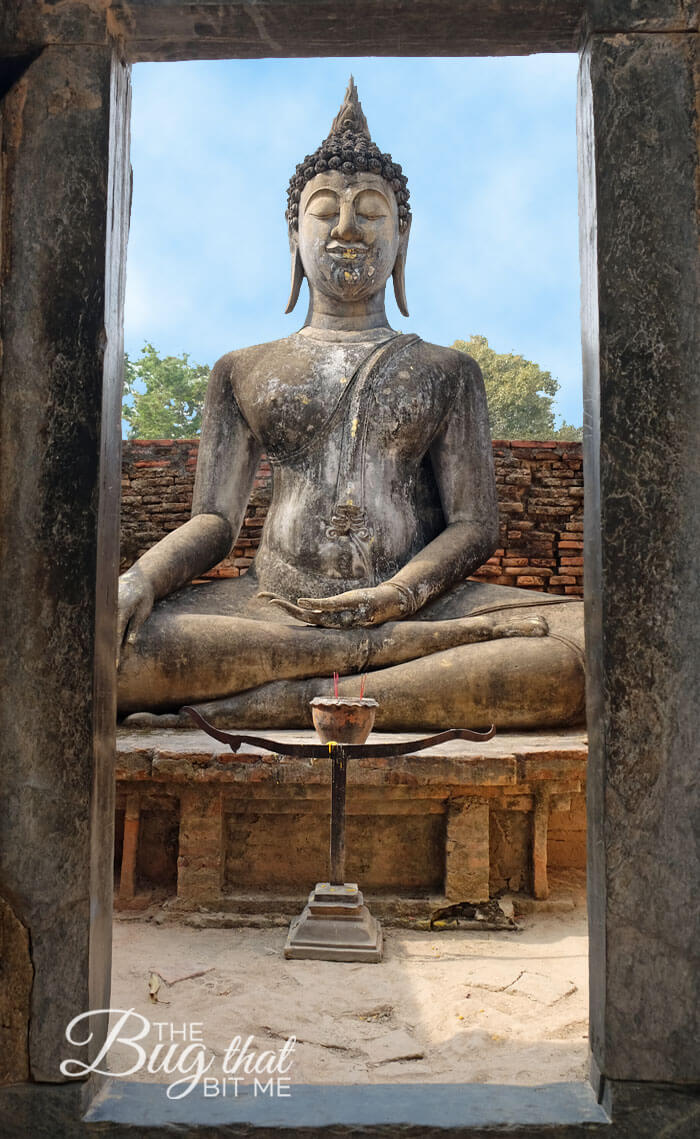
183	658
540	684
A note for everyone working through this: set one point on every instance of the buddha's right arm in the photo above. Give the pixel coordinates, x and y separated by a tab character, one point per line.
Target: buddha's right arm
190	550
228	459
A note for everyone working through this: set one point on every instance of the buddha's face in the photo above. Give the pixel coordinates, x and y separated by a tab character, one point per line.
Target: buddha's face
348	234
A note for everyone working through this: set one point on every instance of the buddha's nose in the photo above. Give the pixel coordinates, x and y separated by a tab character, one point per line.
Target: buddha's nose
347	228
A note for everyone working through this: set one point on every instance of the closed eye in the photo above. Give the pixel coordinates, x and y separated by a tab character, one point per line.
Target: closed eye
372	205
323	204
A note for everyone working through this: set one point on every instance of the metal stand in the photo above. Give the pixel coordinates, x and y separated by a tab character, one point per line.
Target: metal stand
339	775
335	924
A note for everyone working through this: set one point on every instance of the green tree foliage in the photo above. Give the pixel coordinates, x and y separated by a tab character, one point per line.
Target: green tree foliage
163	396
519	394
567	431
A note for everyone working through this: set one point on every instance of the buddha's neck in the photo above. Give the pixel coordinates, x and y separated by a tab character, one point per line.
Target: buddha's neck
346	316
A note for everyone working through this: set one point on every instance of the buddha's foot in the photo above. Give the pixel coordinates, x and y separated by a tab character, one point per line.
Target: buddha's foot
144	721
521	627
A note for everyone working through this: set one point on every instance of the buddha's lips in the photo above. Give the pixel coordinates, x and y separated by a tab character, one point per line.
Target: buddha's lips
346	252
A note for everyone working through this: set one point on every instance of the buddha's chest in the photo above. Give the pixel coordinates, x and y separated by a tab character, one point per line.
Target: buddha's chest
397	410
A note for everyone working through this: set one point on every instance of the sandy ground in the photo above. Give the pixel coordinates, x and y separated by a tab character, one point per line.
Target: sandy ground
453	1006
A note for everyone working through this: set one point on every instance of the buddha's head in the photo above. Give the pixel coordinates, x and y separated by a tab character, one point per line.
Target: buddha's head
348	214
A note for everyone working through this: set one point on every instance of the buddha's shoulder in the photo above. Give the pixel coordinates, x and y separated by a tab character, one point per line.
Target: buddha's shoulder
450	361
242	360
279	355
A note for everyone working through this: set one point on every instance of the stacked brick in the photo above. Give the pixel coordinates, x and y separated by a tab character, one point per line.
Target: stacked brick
157	480
157	484
540	493
540	501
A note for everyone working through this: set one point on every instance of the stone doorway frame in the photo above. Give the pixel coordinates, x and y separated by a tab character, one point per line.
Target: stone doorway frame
64	83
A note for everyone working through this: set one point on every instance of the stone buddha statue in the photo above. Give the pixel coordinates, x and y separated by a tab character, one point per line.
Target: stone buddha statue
383	504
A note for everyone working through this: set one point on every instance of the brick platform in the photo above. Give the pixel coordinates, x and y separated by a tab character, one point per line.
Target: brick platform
249	832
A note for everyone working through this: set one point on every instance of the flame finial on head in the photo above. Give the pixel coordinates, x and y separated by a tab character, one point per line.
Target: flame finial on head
349	149
351	117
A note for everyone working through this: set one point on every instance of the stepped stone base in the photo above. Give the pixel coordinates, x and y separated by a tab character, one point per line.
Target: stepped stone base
211	830
335	925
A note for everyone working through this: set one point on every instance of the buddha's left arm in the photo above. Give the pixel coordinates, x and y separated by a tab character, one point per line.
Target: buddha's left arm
462	460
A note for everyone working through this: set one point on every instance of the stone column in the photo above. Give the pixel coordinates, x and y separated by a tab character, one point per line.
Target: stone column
64	222
467	851
130	847
638	128
201	851
540	827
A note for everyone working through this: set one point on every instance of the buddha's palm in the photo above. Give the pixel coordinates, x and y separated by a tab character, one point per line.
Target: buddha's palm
356	607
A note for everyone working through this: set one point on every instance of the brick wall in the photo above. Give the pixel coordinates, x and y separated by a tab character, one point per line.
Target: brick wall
540	492
540	499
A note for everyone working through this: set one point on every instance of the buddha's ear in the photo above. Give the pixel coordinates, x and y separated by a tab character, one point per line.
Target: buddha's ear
297	271
399	271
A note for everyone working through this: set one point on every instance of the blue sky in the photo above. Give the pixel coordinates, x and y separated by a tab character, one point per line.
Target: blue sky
489	148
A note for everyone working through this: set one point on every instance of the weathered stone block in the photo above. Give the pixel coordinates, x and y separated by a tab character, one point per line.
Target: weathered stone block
467	851
65	206
16	978
638	130
201	848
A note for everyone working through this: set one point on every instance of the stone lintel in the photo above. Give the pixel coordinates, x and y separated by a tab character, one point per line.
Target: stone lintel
180	29
217	29
641	16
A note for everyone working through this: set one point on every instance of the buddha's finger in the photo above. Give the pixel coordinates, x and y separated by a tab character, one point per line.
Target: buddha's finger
338	619
338	602
274	599
309	616
343	611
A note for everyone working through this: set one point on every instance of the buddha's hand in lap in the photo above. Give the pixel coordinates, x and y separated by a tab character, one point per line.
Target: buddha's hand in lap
355	608
136	598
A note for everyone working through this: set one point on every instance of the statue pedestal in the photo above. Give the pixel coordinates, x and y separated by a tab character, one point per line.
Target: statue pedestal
335	925
218	834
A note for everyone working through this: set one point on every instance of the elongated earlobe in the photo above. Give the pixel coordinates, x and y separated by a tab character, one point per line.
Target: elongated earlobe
399	279
399	273
297	277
